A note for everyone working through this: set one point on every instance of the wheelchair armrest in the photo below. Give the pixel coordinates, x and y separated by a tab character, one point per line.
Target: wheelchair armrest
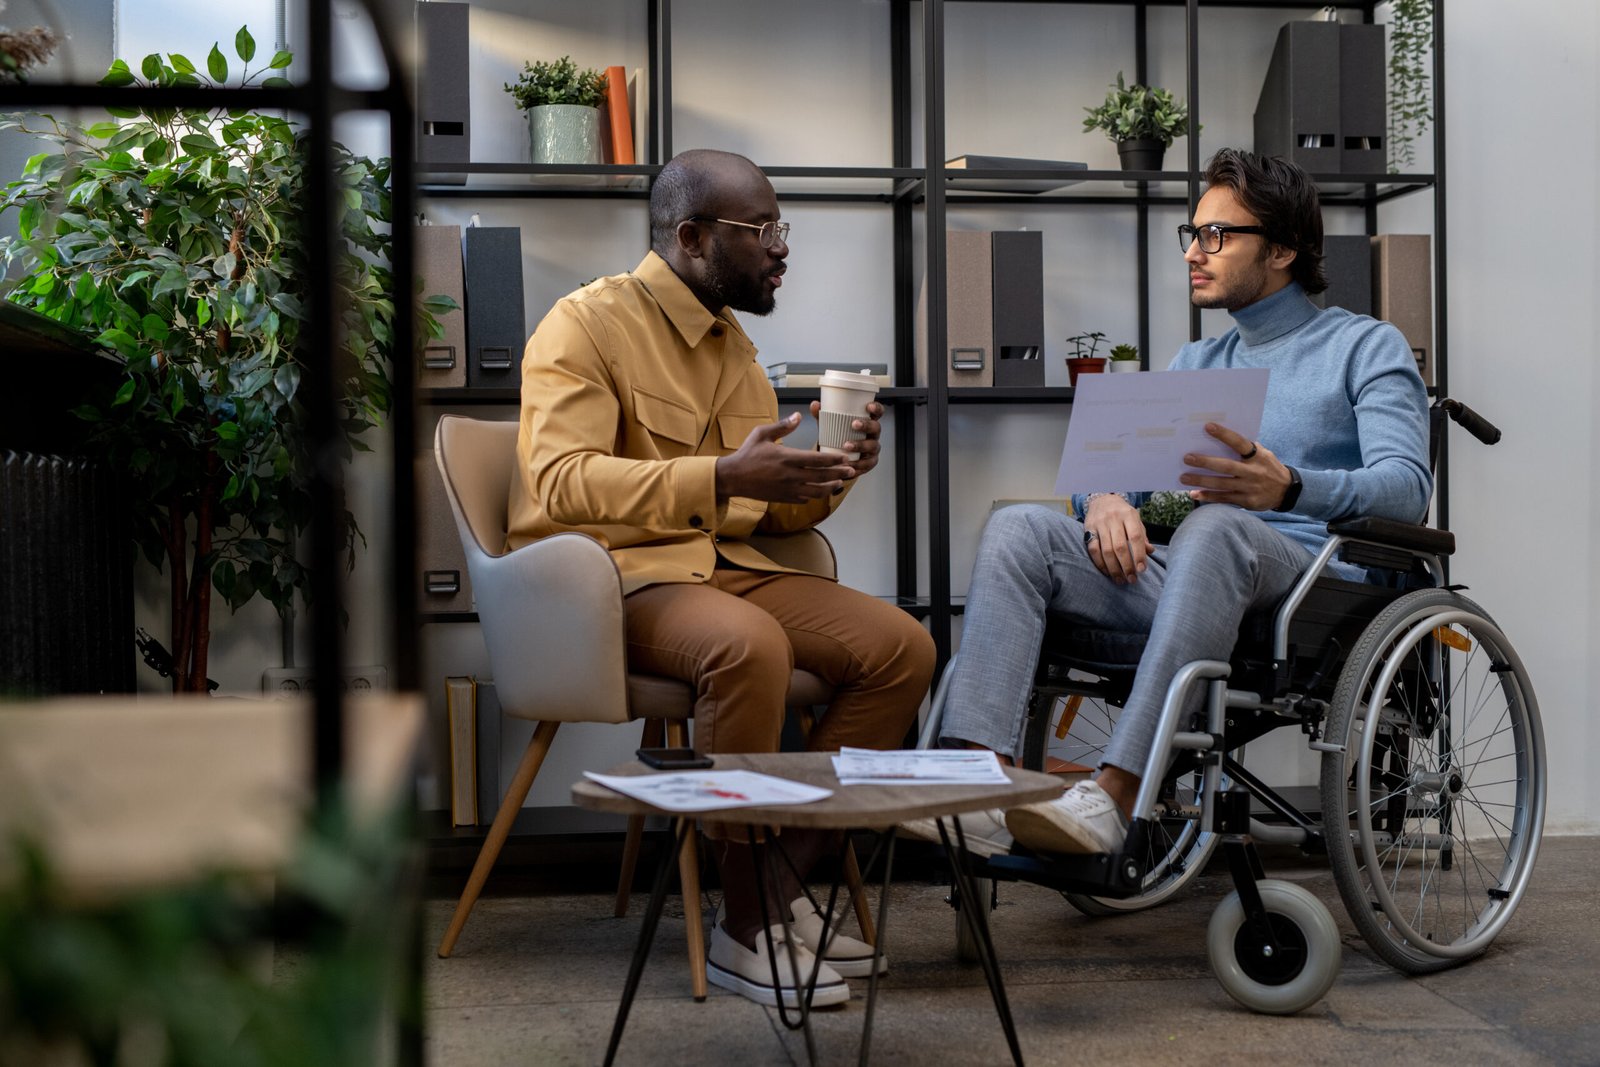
1376	542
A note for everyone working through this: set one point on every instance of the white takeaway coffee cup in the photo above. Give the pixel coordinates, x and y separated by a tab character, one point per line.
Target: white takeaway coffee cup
845	396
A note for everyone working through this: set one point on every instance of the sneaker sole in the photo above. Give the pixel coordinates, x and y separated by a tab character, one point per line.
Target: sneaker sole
761	993
1043	834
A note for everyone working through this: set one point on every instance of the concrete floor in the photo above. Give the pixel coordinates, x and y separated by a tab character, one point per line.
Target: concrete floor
536	980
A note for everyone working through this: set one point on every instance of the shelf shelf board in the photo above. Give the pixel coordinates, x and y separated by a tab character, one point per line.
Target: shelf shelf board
891	395
1047	394
494	394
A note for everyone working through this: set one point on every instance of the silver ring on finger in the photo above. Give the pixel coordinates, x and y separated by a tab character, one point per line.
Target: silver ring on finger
1089	538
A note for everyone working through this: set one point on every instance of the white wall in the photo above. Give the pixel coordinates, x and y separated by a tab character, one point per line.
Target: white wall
1522	154
1522	261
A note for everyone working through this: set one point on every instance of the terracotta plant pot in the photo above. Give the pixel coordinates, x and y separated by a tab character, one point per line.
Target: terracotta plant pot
1084	365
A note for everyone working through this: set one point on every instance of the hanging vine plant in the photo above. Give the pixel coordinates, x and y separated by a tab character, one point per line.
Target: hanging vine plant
177	239
1410	80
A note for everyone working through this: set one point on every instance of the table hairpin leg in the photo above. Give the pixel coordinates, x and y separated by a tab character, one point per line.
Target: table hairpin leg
647	934
884	844
764	865
977	920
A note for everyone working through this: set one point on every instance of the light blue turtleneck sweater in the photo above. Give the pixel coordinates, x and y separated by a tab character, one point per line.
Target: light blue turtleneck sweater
1345	406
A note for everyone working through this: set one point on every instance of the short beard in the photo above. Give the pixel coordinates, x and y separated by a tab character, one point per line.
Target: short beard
1234	299
737	291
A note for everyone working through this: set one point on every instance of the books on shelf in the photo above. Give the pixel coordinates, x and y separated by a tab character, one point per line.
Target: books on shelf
460	702
798	375
1010	185
620	118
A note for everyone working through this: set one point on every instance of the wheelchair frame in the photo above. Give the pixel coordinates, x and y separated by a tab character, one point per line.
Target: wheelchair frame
1403	777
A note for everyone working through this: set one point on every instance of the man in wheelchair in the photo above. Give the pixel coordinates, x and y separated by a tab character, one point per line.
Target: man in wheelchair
1345	433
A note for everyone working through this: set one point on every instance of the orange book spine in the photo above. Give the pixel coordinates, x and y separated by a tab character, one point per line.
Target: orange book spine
621	120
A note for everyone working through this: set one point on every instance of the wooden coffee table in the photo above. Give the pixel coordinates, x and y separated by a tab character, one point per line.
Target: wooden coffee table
873	807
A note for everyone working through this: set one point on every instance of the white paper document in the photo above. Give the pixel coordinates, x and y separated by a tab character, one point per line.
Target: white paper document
710	790
932	766
1130	432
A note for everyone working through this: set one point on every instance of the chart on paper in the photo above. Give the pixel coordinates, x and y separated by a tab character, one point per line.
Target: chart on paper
1130	432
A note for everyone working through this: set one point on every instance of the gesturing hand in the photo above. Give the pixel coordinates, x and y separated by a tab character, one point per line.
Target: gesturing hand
765	469
1255	481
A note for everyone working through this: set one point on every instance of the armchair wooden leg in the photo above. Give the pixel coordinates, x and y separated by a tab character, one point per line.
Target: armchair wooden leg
693	924
532	759
858	894
653	731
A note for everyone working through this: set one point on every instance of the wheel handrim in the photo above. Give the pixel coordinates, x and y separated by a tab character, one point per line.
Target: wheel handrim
1444	890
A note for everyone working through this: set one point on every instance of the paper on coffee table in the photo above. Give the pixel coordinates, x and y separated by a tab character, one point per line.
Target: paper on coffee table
710	790
932	766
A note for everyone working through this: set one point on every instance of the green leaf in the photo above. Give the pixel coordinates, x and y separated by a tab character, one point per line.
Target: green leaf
173	281
198	144
181	63
244	44
228	431
232	489
118	76
125	394
123	112
277	83
151	67
280	60
157	151
104	130
217	65
154	328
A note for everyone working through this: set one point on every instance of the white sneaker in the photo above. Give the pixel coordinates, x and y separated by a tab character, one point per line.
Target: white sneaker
850	956
748	972
1083	820
985	832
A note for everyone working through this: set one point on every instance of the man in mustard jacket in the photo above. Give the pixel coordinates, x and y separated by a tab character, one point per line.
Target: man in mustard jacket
648	424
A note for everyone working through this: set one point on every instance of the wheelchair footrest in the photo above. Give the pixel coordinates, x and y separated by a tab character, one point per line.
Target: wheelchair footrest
1100	875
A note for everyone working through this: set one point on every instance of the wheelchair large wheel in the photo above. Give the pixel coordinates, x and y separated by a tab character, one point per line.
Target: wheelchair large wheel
1278	981
1178	847
1440	784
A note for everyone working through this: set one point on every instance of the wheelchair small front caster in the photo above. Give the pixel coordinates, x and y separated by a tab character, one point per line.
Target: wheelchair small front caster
1277	980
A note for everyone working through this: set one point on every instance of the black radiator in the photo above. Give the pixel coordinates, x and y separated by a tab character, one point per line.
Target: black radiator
66	578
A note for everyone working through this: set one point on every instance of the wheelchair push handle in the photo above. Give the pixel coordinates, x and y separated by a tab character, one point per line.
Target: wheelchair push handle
1471	421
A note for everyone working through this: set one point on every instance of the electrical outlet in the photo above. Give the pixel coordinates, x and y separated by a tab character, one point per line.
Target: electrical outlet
287	681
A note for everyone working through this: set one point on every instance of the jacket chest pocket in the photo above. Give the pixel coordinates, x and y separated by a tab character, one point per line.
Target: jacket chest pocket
735	428
667	420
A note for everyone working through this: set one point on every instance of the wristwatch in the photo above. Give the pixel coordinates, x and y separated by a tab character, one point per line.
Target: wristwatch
1291	495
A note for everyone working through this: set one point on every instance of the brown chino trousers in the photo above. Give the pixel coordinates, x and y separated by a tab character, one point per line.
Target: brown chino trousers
738	637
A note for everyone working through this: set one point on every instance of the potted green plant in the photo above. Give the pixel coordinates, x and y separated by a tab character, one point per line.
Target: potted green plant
1162	514
1142	120
177	239
1124	357
563	105
1083	360
1410	84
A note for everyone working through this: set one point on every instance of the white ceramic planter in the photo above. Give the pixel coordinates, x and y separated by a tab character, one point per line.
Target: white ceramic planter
1122	366
564	133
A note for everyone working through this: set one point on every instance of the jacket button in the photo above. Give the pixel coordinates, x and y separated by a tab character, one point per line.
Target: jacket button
716	331
696	521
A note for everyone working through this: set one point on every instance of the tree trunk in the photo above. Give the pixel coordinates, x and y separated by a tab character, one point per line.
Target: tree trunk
178	562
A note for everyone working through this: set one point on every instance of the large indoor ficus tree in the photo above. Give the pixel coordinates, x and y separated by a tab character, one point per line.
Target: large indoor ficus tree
178	239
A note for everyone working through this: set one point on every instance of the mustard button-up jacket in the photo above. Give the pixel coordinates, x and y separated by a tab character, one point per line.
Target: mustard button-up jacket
631	390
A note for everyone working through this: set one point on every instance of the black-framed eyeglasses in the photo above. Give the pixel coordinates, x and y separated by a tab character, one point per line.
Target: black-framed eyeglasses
1211	235
767	233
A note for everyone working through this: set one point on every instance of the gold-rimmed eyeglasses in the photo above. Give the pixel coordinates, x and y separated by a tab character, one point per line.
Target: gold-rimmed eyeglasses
767	233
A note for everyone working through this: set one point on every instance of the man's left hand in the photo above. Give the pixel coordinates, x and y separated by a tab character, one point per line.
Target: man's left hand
1255	480
865	443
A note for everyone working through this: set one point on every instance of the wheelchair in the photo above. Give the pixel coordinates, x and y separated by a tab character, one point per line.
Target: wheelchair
1430	805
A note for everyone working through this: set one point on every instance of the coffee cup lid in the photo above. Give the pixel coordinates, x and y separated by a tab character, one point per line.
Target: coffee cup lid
849	378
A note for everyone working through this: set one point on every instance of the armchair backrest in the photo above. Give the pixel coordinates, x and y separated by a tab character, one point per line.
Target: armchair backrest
476	459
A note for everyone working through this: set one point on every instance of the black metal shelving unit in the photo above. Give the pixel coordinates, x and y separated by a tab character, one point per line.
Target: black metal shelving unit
908	189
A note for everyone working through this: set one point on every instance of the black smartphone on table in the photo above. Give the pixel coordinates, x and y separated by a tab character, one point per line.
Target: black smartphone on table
673	759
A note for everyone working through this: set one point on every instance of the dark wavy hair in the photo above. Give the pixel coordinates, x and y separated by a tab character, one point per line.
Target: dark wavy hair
1285	199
